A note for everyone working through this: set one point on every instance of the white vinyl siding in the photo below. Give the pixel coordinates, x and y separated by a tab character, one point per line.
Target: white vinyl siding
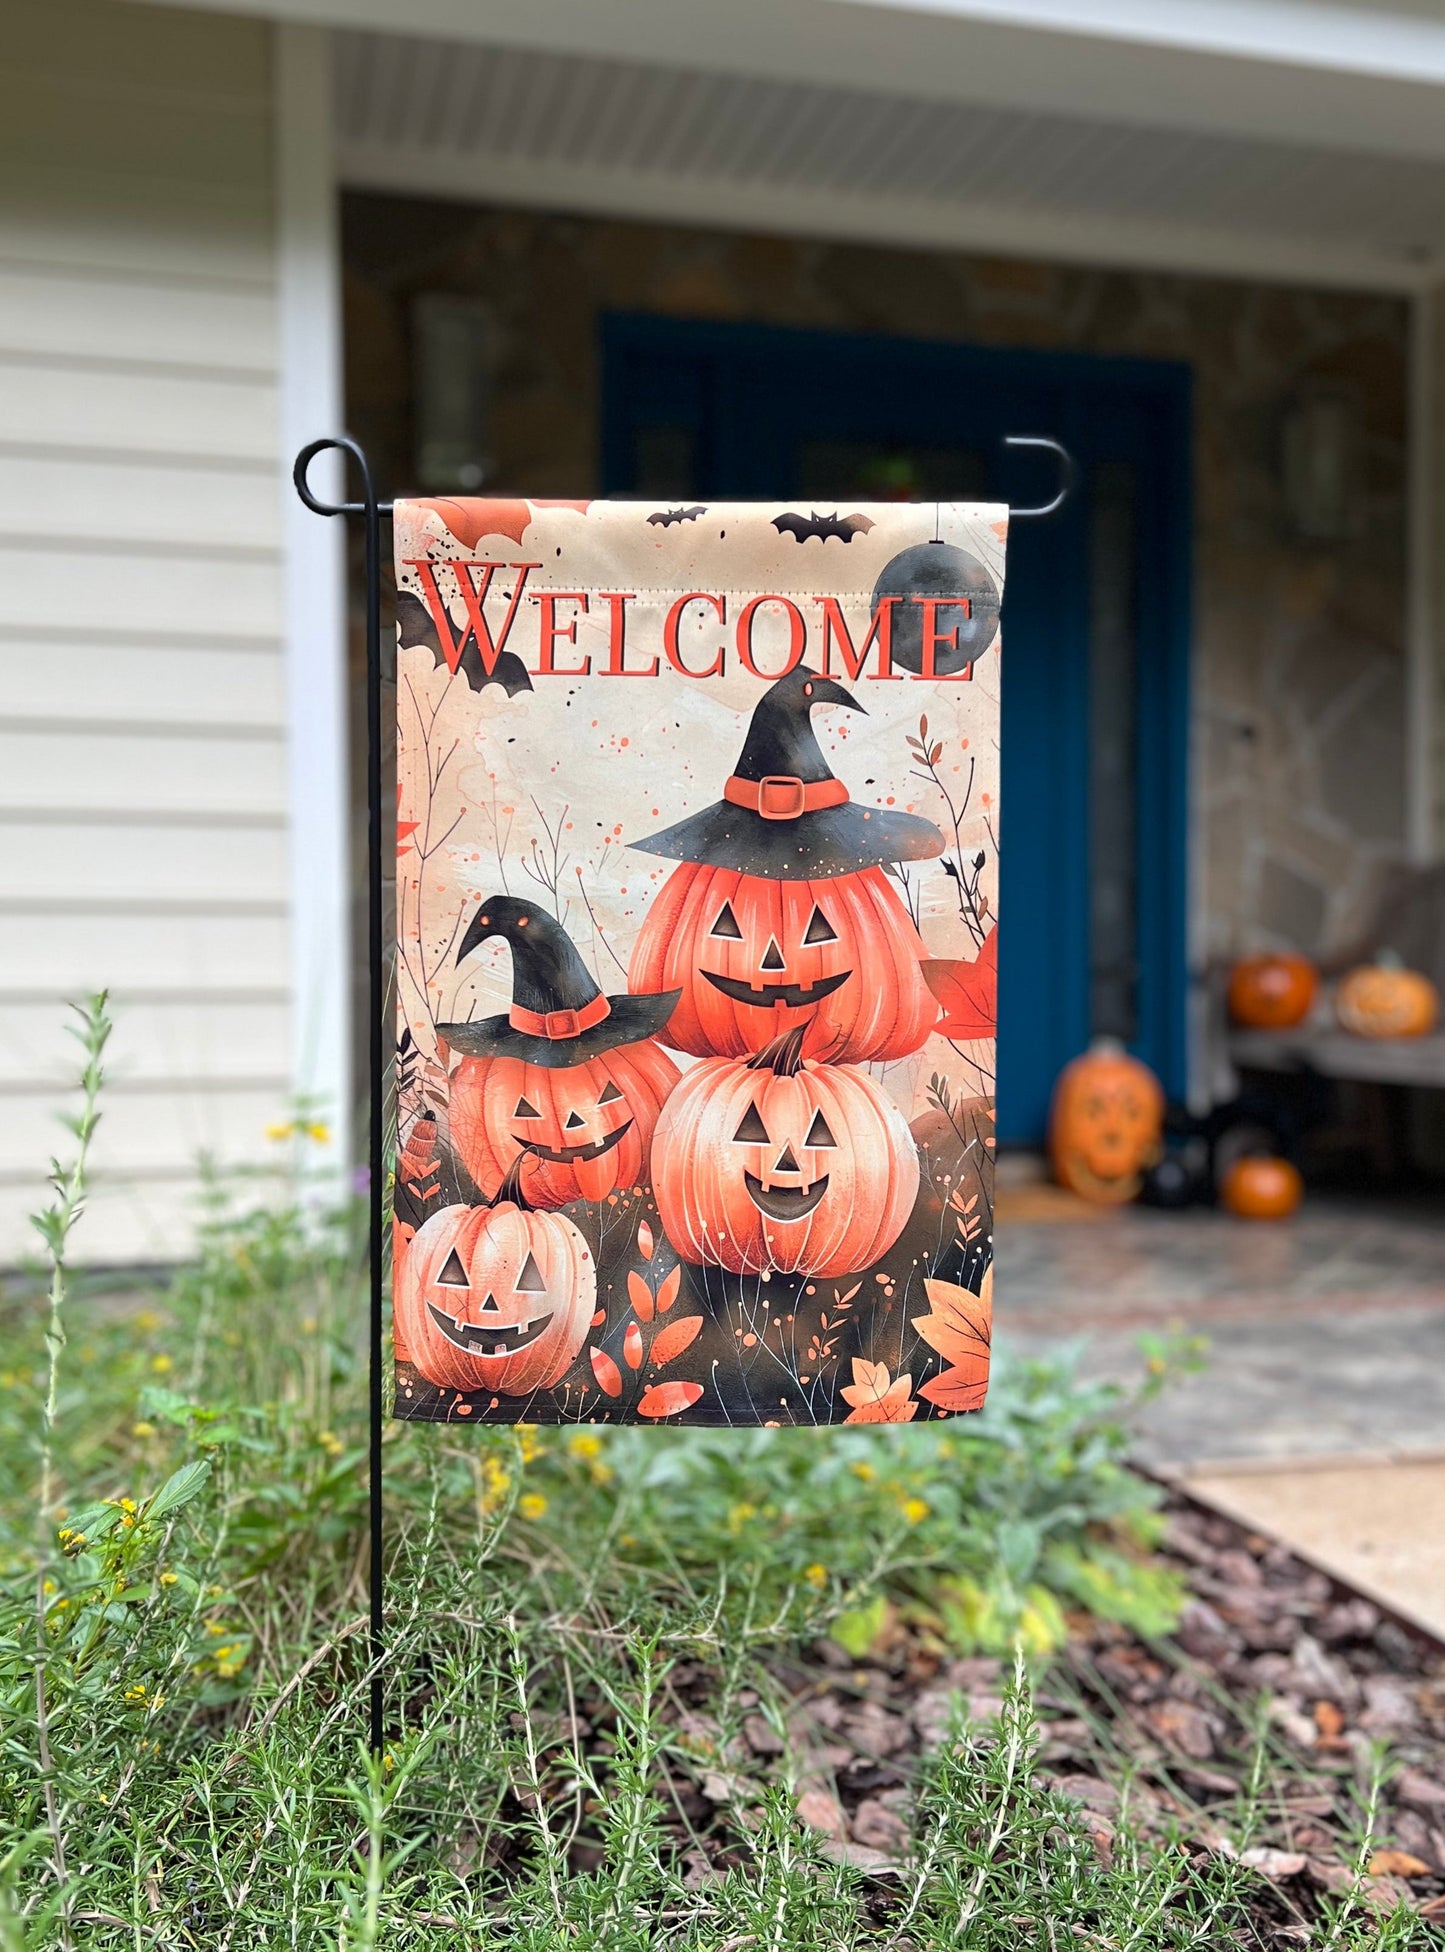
143	799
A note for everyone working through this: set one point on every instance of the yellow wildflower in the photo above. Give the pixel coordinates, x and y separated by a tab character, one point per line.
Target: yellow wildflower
162	1365
135	1693
601	1473
739	1514
816	1576
585	1444
317	1132
169	1578
864	1471
214	1628
531	1504
147	1321
142	1429
331	1443
308	1324
914	1511
280	1131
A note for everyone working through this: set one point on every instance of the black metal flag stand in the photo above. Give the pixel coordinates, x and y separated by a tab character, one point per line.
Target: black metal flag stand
373	513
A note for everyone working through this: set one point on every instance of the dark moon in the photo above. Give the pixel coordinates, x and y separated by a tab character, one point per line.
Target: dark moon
938	569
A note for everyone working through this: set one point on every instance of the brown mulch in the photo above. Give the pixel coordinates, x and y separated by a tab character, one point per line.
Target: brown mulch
1266	1643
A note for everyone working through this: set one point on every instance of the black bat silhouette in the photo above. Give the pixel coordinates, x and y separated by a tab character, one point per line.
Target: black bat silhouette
414	626
666	517
802	527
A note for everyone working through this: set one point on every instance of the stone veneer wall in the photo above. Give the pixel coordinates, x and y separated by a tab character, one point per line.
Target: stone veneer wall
1298	649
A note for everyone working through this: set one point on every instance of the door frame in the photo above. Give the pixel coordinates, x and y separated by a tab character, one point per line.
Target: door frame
1163	388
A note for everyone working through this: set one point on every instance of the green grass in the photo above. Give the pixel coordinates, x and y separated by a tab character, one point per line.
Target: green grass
183	1648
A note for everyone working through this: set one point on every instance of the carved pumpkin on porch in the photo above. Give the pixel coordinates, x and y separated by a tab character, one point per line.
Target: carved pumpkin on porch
495	1297
1272	992
780	915
570	1079
775	1164
1384	999
1106	1124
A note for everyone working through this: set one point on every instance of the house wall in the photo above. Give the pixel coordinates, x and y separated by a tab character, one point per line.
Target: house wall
1298	648
142	776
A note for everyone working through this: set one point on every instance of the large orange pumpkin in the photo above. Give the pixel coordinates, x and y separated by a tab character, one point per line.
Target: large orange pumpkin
1272	992
778	1164
1106	1124
1383	999
1259	1188
755	957
584	1131
495	1297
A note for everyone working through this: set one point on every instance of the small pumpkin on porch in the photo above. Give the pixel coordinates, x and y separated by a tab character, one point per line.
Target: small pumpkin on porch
776	1164
1272	992
1106	1124
495	1297
1260	1187
1384	999
780	914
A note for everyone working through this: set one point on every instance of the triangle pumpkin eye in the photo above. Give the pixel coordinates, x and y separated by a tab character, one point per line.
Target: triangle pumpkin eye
727	924
818	1133
526	1109
752	1131
453	1274
820	929
610	1094
529	1281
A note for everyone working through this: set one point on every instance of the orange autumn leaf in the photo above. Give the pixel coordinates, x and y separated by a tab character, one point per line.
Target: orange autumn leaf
609	1376
666	1399
956	1390
672	1340
641	1297
667	1293
968	992
961	1324
469	520
632	1346
876	1397
644	1240
599	1318
1398	1863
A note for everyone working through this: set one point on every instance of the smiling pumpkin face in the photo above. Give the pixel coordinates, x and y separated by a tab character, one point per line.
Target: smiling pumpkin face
774	1165
755	957
1106	1124
584	1130
495	1298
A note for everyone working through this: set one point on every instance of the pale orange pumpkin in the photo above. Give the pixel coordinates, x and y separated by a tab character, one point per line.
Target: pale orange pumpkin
1384	999
1261	1188
495	1297
754	957
778	1164
1272	992
1106	1124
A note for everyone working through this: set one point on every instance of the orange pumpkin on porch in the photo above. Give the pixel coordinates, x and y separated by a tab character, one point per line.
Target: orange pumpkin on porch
1261	1188
495	1297
1272	992
776	1164
1106	1124
1384	999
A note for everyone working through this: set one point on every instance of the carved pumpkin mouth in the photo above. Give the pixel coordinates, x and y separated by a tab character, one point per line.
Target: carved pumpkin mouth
764	996
785	1202
499	1341
572	1155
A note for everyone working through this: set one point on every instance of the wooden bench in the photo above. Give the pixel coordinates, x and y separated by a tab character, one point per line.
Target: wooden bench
1336	1054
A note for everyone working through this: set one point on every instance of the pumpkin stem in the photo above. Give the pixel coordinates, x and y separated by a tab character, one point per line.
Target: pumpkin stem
510	1191
784	1056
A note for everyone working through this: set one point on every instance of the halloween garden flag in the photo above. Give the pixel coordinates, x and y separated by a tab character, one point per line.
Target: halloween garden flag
697	897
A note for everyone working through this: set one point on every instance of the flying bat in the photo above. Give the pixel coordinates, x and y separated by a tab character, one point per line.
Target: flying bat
803	527
666	518
414	626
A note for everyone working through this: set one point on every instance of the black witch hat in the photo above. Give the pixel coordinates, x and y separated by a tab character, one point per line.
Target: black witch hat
783	814
558	1017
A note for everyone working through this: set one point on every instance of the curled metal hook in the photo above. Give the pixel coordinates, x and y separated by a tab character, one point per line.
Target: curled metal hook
1068	474
343	443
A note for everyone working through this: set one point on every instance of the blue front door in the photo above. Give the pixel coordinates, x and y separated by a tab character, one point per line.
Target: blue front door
1095	622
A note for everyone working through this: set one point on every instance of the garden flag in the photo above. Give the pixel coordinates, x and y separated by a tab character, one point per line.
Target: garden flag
697	896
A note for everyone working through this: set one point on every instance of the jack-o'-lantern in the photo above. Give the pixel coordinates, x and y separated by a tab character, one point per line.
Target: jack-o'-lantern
1106	1124
569	1078
774	1163
1384	999
1261	1188
781	915
1272	992
495	1297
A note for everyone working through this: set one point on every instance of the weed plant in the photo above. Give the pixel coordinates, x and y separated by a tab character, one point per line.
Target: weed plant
183	1644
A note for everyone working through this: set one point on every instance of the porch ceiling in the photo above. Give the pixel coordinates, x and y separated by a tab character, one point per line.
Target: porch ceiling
518	125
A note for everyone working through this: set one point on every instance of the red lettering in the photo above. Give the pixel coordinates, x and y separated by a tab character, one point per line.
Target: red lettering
933	637
797	635
670	627
617	602
474	595
551	630
880	629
